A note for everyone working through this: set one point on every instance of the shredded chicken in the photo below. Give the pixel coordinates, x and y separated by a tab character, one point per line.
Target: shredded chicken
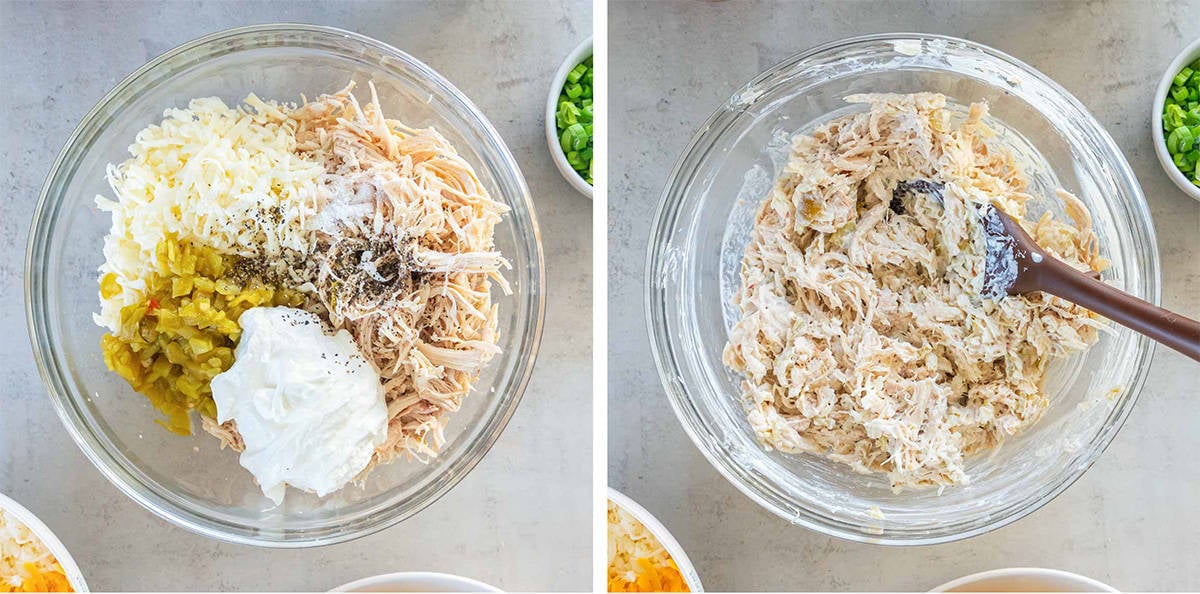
402	258
863	335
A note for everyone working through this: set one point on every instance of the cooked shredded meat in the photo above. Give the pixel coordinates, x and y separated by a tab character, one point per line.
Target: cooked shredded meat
402	258
429	326
863	335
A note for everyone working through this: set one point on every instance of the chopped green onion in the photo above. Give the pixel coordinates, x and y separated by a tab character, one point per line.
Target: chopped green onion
576	73
570	135
1183	76
1185	139
575	115
1181	121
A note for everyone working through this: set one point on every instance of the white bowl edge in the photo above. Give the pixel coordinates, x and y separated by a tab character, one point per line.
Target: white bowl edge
576	56
49	539
1061	578
690	577
416	581
1189	53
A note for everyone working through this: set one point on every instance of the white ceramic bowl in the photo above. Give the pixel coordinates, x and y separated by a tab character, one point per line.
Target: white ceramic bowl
686	569
47	537
1024	579
416	581
577	55
1189	53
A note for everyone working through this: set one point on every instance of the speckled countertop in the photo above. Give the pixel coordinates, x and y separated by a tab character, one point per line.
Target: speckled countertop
1130	521
521	519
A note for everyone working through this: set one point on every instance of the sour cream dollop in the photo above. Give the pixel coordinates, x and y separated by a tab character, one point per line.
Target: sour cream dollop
308	405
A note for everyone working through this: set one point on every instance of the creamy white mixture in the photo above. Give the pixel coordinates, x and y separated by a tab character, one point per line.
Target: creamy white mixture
863	334
308	406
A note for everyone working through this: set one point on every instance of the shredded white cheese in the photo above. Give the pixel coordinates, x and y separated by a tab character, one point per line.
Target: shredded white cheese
226	178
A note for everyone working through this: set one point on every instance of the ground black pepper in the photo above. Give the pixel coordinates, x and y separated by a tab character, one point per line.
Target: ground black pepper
373	270
280	270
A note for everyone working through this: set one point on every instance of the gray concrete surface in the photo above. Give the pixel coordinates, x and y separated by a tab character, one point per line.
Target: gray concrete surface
1130	521
521	519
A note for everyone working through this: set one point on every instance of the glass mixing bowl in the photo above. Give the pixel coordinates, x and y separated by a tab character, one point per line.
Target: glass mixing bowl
703	226
188	480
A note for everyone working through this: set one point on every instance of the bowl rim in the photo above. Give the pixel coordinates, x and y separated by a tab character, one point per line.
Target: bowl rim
576	56
690	576
48	538
1184	57
1093	585
666	219
164	505
391	579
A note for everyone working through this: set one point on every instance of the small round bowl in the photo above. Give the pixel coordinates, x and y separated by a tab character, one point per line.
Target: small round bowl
189	480
416	581
1024	579
1189	54
686	569
704	223
55	546
577	55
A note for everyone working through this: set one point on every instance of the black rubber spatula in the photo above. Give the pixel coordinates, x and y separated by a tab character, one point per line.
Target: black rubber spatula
1014	264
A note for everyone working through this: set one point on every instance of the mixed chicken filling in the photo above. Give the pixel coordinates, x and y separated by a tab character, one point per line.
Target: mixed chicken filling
863	334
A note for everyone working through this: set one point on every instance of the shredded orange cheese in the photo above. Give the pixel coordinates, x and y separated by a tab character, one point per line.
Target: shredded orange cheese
35	580
637	561
26	565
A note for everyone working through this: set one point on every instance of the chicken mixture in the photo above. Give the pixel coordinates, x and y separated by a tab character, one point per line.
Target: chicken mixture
314	281
863	335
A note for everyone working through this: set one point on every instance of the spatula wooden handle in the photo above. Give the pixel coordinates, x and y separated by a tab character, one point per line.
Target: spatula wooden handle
1166	327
